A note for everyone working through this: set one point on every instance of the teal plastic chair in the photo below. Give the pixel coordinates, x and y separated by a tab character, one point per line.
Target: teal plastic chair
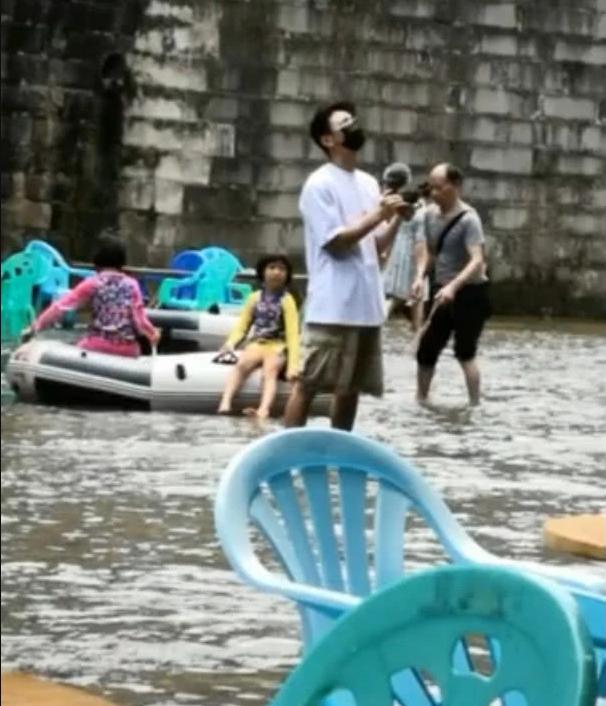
540	649
224	266
57	277
20	272
332	509
210	285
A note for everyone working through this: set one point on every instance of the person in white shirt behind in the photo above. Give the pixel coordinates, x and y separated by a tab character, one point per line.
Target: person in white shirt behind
347	225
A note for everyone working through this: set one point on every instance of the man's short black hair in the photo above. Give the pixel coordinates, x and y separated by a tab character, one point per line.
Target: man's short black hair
454	175
319	124
111	252
266	260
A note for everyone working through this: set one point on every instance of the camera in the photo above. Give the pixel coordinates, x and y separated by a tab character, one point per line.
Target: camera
410	196
396	177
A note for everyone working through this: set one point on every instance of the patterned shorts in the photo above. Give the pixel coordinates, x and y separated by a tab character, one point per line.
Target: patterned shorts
343	359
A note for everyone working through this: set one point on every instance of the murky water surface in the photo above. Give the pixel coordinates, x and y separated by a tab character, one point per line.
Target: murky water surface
111	574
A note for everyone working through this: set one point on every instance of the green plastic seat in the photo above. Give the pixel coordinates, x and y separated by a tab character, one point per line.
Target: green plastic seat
539	648
20	274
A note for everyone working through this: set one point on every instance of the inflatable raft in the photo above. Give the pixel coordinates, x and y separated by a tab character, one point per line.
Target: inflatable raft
192	330
51	372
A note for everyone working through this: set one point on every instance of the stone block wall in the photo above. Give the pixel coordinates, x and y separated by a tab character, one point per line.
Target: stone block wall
205	138
61	117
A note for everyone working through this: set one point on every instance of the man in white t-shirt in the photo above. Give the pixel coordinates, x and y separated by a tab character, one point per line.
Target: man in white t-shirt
347	225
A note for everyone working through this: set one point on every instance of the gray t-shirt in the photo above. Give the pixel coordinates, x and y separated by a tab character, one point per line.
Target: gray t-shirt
454	255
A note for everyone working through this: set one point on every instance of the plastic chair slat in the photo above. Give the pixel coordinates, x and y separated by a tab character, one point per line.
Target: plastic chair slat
285	495
267	522
353	504
318	492
390	518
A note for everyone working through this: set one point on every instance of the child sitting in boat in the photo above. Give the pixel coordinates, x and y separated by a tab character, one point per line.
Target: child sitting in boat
118	315
269	325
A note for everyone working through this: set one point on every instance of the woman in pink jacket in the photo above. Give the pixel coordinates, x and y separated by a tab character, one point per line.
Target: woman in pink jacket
118	314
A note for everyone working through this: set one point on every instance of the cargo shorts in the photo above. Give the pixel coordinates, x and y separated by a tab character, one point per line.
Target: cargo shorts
342	359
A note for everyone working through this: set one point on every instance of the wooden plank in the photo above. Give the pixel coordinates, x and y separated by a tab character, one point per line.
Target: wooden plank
580	534
19	689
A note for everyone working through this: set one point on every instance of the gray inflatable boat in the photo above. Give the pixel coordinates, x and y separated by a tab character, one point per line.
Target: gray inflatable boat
52	372
192	330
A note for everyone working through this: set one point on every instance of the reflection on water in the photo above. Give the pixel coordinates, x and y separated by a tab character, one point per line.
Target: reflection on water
111	574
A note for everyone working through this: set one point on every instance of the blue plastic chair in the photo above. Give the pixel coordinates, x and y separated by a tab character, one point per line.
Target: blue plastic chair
333	507
56	280
544	656
190	261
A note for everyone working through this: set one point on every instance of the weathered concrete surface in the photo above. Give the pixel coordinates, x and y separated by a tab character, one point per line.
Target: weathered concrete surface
205	139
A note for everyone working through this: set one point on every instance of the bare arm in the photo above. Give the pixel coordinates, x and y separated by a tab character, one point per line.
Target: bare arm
386	238
421	253
475	265
422	259
140	319
349	236
73	299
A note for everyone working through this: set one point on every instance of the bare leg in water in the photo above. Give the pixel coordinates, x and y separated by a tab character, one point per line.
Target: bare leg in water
249	361
297	407
471	371
424	378
343	411
271	369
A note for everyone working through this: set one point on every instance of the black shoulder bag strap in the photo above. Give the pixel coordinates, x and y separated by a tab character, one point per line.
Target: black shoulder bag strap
446	230
433	286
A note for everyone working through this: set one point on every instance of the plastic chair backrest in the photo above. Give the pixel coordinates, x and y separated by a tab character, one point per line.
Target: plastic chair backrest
223	264
221	267
186	260
189	292
56	280
48	251
20	272
333	507
192	261
57	259
209	284
213	252
544	654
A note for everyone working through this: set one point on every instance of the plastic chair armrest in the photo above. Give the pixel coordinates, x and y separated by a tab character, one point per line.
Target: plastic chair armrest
81	272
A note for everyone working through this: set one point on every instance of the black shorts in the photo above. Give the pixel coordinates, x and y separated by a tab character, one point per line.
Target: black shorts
465	317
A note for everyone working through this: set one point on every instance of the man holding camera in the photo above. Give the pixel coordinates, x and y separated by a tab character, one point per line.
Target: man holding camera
347	225
460	298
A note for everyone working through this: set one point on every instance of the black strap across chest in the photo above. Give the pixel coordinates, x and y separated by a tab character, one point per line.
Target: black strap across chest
447	228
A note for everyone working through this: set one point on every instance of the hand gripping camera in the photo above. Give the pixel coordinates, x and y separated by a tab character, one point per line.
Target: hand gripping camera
396	177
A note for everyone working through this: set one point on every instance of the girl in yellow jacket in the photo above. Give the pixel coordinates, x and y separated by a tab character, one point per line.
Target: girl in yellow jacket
269	324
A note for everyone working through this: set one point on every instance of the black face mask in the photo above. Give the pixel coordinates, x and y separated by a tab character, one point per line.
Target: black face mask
354	138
